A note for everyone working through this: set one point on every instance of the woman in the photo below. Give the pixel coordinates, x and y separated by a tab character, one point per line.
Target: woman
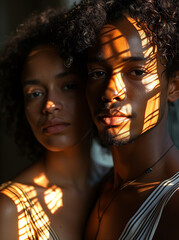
43	96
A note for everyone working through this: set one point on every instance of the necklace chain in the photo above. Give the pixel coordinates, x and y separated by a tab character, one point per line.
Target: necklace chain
147	171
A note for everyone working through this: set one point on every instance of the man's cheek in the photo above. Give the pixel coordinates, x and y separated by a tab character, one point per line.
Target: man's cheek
151	112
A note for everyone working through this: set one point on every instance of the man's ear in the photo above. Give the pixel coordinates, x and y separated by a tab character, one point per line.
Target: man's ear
173	88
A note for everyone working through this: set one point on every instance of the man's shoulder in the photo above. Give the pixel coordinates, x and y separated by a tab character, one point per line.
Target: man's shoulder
172	193
172	206
168	225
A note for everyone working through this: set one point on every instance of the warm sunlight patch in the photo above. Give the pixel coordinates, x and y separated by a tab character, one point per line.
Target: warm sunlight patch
33	222
54	198
151	112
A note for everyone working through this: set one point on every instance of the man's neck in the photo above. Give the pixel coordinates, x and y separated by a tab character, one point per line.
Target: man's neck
131	160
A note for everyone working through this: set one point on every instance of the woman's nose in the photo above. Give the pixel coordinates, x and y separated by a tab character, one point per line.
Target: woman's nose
51	106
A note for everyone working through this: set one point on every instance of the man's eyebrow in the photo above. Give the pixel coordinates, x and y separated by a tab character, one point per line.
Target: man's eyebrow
125	59
133	59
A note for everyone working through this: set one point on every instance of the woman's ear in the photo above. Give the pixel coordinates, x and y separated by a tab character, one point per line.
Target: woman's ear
173	88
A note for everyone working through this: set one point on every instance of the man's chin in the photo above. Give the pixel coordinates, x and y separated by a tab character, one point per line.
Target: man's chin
110	140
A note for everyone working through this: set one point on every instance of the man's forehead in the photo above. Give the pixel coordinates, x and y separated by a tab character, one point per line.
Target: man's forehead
113	42
122	37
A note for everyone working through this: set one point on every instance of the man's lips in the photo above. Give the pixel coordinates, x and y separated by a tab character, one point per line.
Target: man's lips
55	125
114	120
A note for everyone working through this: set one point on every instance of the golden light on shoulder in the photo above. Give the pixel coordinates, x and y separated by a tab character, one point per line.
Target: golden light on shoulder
32	219
54	198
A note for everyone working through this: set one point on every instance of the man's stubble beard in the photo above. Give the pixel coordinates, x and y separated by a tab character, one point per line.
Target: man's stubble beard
108	139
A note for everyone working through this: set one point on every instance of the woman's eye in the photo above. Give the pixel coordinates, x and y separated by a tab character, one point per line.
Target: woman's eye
70	86
32	95
97	74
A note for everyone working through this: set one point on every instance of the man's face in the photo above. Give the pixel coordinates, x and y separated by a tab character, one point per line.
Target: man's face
127	89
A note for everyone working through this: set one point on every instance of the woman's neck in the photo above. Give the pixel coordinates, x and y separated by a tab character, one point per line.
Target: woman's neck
69	167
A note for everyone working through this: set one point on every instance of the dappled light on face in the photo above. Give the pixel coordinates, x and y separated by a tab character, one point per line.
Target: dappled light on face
50	104
110	42
53	198
33	223
125	78
151	112
151	82
148	50
123	131
120	86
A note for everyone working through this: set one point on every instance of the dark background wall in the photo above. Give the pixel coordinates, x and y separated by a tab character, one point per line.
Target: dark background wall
13	13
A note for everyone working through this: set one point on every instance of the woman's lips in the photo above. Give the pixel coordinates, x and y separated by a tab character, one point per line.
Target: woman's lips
55	126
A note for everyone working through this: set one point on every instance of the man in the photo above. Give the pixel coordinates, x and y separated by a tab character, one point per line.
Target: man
133	72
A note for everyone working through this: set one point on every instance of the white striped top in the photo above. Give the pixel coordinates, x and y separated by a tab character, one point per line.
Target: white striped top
33	223
145	221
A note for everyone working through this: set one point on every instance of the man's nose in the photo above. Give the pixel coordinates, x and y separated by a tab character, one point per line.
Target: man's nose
115	90
51	107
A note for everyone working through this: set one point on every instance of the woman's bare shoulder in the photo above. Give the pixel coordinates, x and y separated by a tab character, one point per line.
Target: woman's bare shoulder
8	218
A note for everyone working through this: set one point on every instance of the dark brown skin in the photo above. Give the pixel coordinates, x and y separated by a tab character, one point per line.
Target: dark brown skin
121	90
51	91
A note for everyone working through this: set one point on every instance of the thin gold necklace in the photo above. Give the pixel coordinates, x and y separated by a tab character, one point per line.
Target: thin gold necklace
147	171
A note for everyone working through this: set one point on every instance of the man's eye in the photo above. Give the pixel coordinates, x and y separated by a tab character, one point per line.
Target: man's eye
97	74
70	86
138	73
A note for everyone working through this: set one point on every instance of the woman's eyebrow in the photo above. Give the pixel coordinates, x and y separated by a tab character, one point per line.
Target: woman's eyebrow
30	82
36	81
63	74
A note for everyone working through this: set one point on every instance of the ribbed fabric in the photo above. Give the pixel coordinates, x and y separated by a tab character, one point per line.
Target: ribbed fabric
143	224
33	223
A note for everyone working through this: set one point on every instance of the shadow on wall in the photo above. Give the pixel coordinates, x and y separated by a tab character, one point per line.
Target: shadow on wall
13	13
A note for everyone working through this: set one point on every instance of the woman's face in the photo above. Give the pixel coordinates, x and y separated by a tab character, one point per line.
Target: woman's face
55	104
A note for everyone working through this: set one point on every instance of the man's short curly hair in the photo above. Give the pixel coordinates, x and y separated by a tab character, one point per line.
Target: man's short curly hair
44	28
160	16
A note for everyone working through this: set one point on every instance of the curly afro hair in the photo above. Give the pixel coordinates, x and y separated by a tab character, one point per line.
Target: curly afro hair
72	33
39	29
159	17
